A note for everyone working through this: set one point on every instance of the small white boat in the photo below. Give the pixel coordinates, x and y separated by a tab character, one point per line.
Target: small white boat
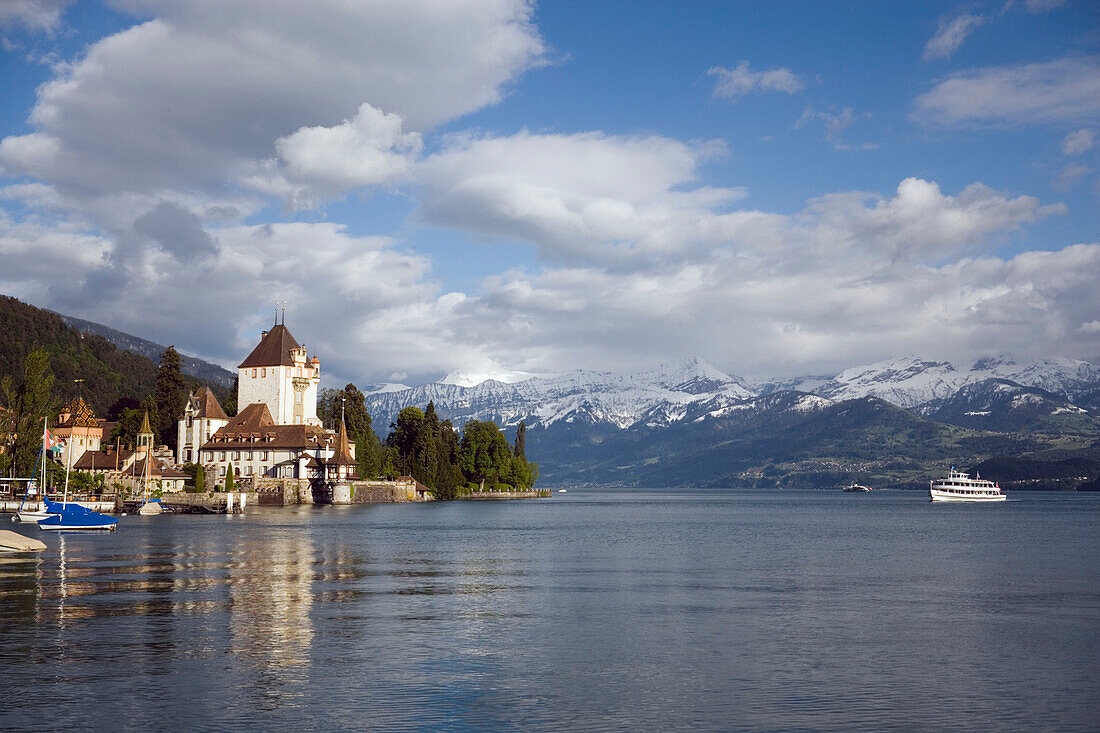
562	491
32	513
959	487
857	487
150	507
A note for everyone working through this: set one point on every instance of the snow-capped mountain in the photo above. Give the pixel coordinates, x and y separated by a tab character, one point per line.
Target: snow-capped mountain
912	382
582	396
689	390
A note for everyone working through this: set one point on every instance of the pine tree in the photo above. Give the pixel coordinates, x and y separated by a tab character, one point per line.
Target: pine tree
521	441
171	396
31	402
230	484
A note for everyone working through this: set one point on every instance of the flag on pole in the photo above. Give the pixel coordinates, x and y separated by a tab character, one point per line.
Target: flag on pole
49	442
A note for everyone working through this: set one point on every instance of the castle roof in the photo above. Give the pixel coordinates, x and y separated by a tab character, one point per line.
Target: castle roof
254	428
78	415
273	350
342	455
103	460
205	404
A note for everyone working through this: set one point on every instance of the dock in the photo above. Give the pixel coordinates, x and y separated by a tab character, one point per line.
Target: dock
15	542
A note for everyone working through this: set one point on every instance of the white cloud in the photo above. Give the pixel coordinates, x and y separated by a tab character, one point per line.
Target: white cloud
741	80
1065	90
920	223
1043	6
584	197
1068	177
316	162
751	315
42	15
1078	141
951	34
153	107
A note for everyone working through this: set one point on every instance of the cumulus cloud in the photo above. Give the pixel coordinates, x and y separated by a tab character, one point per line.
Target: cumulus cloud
748	314
1065	90
920	223
737	82
585	197
44	15
317	162
950	35
152	107
1078	141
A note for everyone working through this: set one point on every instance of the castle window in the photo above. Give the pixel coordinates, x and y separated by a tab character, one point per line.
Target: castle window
221	455
263	371
264	454
253	372
236	455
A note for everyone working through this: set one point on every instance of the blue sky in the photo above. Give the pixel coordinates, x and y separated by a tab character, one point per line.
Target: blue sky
505	189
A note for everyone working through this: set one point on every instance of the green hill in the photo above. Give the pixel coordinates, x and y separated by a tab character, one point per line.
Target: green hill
111	376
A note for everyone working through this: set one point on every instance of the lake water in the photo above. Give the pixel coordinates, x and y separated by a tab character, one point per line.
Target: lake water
595	609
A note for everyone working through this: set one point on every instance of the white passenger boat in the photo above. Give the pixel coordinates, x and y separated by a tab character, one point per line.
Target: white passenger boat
958	486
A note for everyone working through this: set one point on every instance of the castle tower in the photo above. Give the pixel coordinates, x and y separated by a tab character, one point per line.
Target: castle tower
278	375
145	436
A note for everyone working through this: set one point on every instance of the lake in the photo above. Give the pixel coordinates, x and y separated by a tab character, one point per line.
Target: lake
591	610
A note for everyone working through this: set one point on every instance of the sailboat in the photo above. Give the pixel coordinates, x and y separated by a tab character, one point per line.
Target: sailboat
66	515
38	510
145	436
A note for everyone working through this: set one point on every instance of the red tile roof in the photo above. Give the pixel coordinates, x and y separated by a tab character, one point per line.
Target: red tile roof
273	350
254	429
205	404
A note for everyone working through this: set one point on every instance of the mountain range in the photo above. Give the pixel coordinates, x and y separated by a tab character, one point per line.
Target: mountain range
688	422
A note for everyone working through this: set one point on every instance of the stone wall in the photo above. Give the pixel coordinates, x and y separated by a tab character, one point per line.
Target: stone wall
278	491
492	495
386	492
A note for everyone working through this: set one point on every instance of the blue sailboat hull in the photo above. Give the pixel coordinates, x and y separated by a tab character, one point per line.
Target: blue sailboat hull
74	516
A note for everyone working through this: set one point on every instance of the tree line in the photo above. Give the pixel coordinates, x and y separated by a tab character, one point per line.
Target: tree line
34	393
431	450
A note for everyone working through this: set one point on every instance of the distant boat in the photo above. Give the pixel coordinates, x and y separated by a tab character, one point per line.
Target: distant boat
562	491
857	487
959	487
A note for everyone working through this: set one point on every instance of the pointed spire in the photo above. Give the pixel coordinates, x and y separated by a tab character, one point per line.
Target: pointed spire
145	434
342	456
145	428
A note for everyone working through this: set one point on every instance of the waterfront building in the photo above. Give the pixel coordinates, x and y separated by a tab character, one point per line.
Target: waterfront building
79	430
202	417
277	374
277	433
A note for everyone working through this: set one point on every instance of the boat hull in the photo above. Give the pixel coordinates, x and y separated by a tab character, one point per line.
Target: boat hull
87	521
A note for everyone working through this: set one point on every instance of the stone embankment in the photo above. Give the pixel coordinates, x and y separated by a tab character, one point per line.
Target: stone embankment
493	495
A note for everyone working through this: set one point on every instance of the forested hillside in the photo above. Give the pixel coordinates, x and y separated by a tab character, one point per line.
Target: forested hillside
111	377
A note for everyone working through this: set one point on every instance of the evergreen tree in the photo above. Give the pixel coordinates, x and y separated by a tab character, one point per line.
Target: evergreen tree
31	402
129	423
171	396
230	484
448	475
403	437
521	441
229	404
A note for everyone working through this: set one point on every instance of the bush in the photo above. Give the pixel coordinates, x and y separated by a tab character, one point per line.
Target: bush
501	487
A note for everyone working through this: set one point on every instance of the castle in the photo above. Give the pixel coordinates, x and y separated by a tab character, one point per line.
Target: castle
276	433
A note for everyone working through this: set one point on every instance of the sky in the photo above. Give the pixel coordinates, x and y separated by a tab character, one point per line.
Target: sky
503	189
